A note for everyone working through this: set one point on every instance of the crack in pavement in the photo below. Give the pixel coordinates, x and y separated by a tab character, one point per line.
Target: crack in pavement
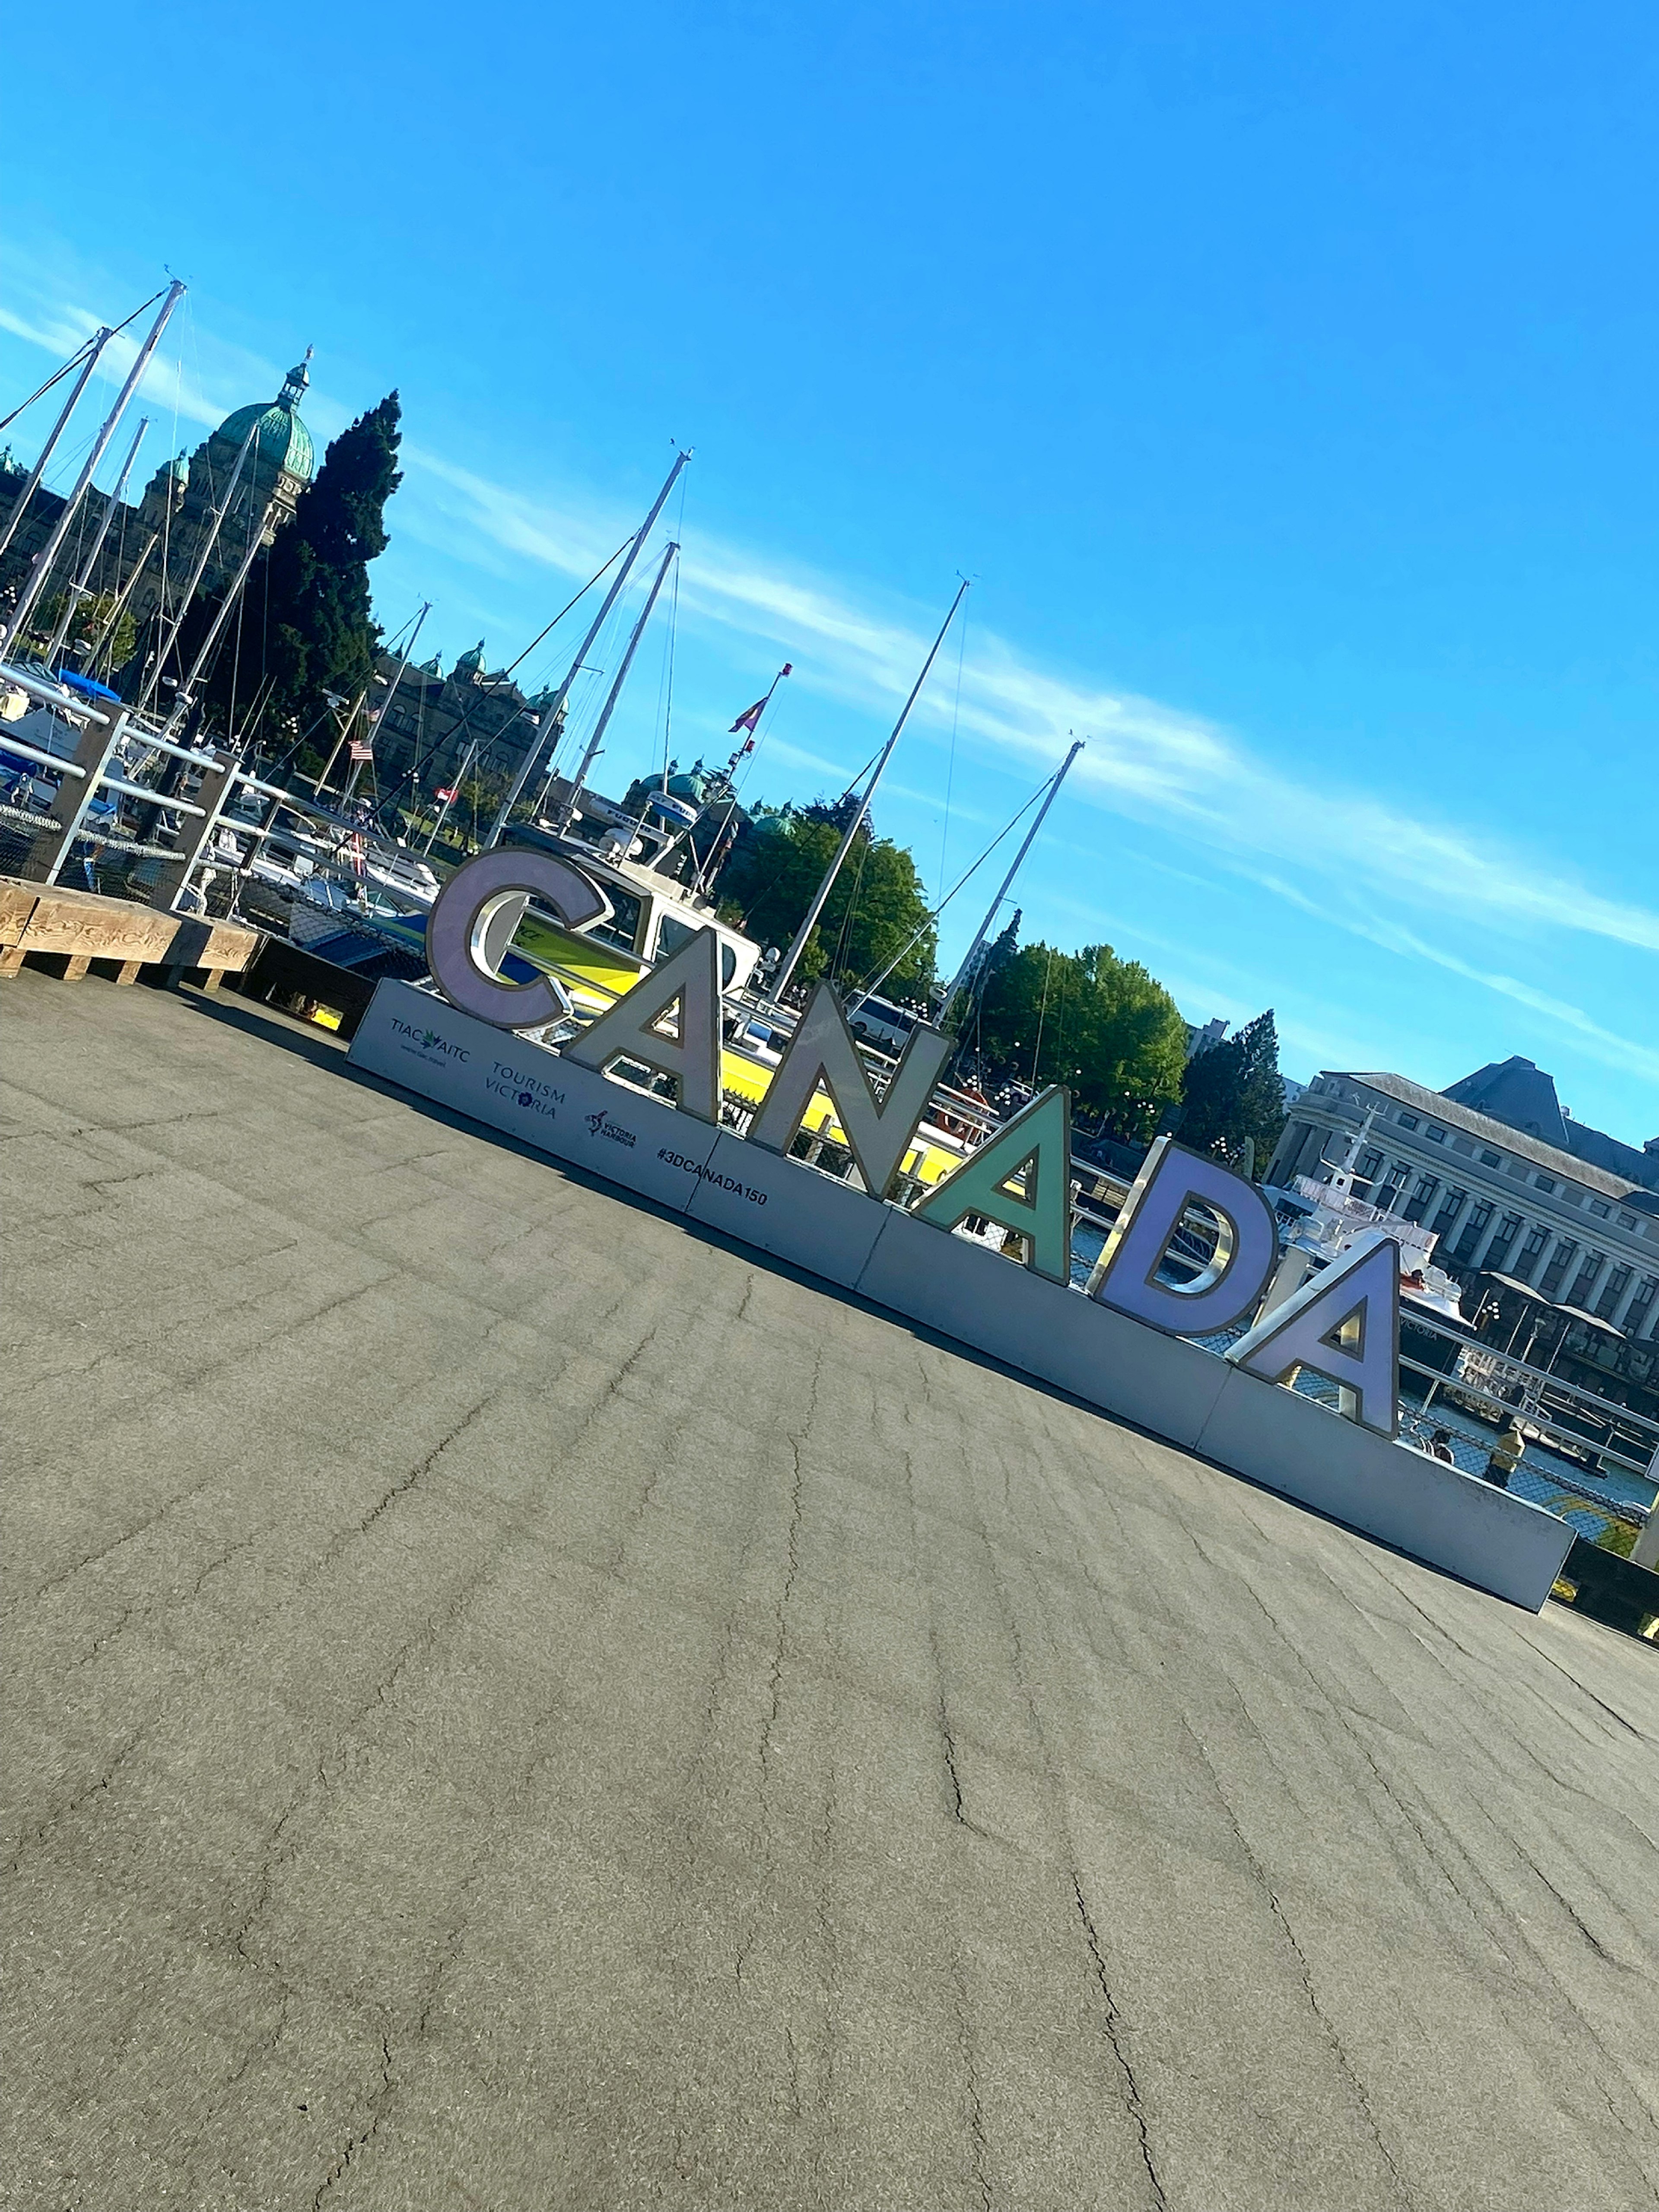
1304	1972
377	2103
1114	2037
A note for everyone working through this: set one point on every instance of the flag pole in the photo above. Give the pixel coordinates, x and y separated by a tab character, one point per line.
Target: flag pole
750	720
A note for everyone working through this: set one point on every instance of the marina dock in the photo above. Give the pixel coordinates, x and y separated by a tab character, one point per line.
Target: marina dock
516	1700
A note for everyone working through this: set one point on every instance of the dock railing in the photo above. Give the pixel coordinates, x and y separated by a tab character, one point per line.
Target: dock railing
95	766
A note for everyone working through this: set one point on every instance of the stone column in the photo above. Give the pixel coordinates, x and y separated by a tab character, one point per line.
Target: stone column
1639	1274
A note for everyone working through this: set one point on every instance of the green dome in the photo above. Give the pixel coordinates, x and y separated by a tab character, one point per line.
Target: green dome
283	438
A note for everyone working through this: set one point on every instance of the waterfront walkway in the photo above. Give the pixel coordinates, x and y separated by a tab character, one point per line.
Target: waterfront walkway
510	1705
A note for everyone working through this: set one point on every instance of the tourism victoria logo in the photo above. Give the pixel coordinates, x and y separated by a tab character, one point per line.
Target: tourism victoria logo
522	1089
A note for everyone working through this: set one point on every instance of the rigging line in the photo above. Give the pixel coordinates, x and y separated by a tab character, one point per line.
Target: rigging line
1042	1010
866	989
565	608
843	937
463	728
951	768
668	657
74	361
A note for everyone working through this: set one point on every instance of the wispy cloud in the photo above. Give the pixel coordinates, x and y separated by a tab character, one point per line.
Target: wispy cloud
1349	857
1144	758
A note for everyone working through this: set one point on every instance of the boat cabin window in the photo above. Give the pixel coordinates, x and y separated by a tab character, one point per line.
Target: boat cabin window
622	927
674	932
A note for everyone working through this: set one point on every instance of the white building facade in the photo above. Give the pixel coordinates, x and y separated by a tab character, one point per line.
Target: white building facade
1501	1201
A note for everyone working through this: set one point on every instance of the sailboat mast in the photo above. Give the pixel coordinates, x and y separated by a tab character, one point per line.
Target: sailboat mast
537	739
98	343
184	697
567	812
77	590
380	712
89	658
984	930
204	554
48	553
792	958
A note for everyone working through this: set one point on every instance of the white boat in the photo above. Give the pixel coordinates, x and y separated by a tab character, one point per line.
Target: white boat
1336	1222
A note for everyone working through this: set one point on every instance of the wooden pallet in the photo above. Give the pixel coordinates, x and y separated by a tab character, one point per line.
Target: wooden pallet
81	926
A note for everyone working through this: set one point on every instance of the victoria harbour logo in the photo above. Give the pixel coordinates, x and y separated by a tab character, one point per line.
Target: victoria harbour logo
601	1125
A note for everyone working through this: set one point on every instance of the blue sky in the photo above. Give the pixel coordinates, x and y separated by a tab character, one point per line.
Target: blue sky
1282	375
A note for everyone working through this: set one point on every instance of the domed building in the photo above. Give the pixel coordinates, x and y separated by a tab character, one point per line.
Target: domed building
282	459
184	496
164	536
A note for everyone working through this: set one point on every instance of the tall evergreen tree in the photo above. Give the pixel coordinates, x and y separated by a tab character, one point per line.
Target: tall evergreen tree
1232	1093
307	626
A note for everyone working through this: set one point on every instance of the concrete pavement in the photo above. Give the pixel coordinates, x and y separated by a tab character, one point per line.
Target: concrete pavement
511	1705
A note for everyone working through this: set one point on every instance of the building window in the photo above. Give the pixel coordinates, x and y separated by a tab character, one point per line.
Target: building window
1600	1208
1545	1182
1408	1121
1435	1136
1627	1221
1531	1251
1506	1234
1580	1293
1450	1206
1467	1244
1491	1159
1422	1197
1549	1283
1646	1291
1368	1164
1617	1283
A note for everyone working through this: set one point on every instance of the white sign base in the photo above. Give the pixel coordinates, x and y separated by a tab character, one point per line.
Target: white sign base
1274	1436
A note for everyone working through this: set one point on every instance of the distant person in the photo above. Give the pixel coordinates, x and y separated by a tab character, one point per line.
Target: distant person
1505	1455
1440	1446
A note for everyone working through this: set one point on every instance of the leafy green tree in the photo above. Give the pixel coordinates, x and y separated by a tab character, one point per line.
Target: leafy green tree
307	627
1101	1025
1232	1095
87	620
875	906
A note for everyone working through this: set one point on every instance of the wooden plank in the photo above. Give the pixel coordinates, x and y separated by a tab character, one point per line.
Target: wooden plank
101	929
129	972
11	962
87	926
76	966
16	905
229	949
